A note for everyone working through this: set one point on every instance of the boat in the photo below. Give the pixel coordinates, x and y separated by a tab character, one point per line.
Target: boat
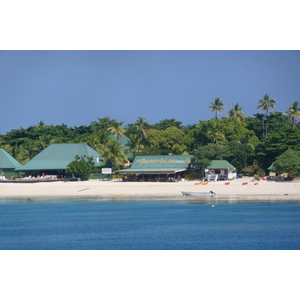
198	193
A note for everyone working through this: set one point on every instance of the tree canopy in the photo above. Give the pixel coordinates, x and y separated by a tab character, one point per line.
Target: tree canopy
288	162
242	140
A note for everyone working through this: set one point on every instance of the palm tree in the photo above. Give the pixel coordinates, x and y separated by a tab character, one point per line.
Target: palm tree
92	141
217	106
236	113
216	135
112	153
16	151
134	144
142	126
28	151
44	141
179	149
102	136
99	137
265	104
117	130
293	112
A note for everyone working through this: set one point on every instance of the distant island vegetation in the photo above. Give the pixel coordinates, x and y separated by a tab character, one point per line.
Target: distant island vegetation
251	144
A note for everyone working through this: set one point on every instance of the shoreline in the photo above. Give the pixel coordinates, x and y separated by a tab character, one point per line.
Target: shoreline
119	189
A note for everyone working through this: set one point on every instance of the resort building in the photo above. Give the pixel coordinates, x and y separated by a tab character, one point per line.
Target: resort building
157	168
55	158
220	170
7	165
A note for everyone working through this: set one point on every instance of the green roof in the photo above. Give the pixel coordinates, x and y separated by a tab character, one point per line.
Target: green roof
7	161
122	140
159	164
220	164
58	156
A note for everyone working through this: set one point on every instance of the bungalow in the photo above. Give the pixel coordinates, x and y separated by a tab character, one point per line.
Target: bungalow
55	159
220	169
7	165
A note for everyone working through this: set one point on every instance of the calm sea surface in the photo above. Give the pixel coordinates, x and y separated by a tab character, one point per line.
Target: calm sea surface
149	224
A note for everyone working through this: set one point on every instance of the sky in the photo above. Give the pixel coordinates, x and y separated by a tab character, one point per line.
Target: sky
77	87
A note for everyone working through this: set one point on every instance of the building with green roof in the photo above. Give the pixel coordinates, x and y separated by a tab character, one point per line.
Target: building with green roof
7	165
56	157
159	165
220	169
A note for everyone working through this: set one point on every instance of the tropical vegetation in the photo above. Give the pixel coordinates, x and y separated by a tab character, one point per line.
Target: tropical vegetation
248	142
82	166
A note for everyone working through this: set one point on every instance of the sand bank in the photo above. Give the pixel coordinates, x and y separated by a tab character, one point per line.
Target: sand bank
98	188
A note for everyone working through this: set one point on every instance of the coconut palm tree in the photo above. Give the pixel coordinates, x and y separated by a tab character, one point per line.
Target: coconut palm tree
142	126
117	130
92	141
28	151
236	113
99	137
44	141
7	147
217	106
102	136
112	152
216	135
179	149
265	104
293	112
134	144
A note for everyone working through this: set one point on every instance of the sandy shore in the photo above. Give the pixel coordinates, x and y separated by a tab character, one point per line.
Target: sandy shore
98	188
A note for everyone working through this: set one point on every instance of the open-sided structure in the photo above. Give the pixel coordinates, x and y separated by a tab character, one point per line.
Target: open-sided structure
161	167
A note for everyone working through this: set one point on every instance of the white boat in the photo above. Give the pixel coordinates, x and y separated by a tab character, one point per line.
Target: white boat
198	193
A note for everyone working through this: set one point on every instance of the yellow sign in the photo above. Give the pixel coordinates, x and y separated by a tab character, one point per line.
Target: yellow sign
163	161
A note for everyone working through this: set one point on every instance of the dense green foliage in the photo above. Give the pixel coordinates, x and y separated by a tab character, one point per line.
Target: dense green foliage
288	162
257	141
82	166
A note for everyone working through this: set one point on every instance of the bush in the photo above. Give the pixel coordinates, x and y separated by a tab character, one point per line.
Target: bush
256	177
82	166
254	170
193	176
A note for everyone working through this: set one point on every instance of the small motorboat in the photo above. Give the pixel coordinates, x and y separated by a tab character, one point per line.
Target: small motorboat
211	193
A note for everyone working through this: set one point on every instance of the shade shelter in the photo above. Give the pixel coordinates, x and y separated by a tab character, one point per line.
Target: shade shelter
220	169
7	165
56	157
158	167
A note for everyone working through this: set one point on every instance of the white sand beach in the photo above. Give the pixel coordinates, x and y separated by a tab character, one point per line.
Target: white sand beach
116	188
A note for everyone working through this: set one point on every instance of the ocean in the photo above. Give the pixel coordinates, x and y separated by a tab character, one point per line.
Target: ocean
149	224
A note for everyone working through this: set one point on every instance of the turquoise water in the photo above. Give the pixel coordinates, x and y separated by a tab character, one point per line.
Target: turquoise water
77	224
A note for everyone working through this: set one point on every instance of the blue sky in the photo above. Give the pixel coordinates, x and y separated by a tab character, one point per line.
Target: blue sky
77	87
